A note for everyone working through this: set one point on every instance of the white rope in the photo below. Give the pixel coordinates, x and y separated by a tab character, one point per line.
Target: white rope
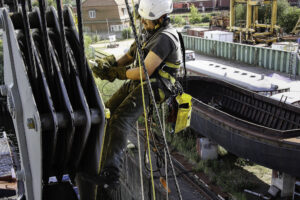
140	159
165	152
166	172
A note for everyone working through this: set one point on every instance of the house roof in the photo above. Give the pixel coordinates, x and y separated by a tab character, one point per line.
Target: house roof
102	3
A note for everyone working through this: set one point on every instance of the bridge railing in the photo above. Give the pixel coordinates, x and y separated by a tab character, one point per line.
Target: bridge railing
268	58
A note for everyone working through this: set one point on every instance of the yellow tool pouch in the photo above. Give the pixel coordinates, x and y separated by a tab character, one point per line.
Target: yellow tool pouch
184	112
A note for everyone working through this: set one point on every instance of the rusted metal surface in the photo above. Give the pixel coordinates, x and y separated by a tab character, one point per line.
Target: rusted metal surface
247	124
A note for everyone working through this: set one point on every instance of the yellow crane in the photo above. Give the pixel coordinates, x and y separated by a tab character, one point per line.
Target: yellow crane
250	33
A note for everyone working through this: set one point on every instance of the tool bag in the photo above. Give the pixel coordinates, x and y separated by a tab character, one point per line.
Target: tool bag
180	111
184	112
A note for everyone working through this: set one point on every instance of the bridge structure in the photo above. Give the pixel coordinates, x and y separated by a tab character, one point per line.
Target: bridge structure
271	59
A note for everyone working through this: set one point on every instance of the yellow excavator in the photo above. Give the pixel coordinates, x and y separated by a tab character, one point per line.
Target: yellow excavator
252	31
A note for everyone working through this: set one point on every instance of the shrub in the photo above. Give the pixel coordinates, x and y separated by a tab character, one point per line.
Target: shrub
206	18
87	48
126	33
196	20
178	20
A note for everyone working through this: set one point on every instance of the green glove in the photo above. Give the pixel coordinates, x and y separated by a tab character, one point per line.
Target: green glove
111	60
119	72
110	73
108	61
103	73
107	69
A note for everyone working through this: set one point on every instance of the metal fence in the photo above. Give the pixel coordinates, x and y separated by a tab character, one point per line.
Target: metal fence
282	61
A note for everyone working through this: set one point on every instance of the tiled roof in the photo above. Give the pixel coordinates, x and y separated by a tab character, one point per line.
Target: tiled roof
102	3
97	3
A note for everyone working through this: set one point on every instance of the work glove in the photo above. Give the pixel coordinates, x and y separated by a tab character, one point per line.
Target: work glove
118	72
107	72
106	68
132	50
107	62
111	60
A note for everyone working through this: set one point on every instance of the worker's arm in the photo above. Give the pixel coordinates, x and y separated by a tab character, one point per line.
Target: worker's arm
125	60
152	61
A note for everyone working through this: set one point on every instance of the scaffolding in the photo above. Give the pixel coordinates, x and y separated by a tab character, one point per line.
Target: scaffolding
253	32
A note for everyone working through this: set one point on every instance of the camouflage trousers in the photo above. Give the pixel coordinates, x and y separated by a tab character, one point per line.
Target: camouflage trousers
126	105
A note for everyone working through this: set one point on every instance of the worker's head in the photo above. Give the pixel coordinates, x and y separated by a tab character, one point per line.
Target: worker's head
154	12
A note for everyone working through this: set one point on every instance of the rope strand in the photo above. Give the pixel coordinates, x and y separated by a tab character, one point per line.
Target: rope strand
141	58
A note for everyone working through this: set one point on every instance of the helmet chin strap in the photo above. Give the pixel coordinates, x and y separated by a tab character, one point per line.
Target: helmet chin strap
165	22
149	33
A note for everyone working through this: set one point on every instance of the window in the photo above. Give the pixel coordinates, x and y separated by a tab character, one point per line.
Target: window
92	13
114	28
125	13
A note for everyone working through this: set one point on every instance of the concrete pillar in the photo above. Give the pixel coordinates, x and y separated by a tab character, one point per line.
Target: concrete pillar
207	149
284	182
296	195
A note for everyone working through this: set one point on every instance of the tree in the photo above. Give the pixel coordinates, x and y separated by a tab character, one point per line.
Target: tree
195	16
240	14
206	18
177	20
290	18
126	33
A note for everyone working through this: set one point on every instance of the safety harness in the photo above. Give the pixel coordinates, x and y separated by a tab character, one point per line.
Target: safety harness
180	104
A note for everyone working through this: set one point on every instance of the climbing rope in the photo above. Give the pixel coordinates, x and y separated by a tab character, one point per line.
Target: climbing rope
142	64
140	159
145	112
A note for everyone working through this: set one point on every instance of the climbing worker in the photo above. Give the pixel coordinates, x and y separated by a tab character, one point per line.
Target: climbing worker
162	56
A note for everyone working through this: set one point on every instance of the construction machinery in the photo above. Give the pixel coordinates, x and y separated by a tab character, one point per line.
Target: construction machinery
221	21
252	31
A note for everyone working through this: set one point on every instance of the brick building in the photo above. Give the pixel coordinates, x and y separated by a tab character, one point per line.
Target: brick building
99	16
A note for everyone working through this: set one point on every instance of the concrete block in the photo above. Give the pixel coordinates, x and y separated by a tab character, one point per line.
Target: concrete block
296	195
284	182
207	149
273	190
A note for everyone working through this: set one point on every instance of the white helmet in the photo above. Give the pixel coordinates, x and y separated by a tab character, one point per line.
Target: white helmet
154	9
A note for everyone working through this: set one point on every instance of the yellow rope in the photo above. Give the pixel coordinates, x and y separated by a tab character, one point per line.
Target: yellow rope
145	113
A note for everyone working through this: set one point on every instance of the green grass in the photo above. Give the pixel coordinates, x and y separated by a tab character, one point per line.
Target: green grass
230	173
106	88
202	24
